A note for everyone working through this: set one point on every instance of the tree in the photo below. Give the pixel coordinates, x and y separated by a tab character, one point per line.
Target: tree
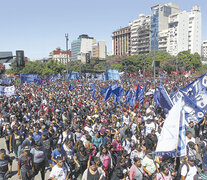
187	61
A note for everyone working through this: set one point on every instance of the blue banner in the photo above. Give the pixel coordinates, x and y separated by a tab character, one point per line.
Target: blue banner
29	78
197	92
73	75
112	74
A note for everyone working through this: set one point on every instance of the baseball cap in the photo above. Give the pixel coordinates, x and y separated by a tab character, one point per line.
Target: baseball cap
26	148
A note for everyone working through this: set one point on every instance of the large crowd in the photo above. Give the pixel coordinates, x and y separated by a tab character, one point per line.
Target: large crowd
67	133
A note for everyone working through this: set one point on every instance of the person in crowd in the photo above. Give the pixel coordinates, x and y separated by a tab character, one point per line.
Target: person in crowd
60	171
81	160
106	159
25	165
149	165
39	159
136	170
5	165
92	172
137	152
8	137
97	140
189	170
59	151
16	142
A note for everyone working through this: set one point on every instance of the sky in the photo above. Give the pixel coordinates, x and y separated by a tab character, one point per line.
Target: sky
39	26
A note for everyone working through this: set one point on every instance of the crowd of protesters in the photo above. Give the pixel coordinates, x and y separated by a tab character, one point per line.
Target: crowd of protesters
72	136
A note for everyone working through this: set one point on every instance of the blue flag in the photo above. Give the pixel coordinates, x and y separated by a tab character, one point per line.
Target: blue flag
118	92
163	99
103	91
108	94
156	96
71	87
138	91
129	97
141	96
94	95
93	87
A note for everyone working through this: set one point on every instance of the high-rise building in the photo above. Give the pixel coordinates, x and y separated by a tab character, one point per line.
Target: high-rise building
140	35
204	49
99	50
159	22
81	46
194	30
184	32
121	40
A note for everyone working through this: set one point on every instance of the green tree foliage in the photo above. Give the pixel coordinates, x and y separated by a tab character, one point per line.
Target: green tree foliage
37	67
186	62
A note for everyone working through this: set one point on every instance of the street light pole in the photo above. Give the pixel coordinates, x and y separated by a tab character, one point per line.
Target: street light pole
144	66
154	57
66	36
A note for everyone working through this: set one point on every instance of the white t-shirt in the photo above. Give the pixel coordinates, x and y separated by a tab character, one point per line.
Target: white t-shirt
59	173
191	173
149	128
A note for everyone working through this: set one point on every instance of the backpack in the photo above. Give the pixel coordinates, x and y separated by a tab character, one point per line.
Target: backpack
179	170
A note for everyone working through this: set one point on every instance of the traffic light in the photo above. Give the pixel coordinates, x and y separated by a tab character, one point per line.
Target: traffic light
20	58
88	58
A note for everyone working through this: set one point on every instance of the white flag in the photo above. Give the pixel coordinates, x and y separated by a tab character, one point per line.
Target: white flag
168	141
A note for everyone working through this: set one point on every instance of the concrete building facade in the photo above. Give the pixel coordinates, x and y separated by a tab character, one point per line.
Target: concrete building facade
140	35
121	40
204	49
60	55
81	46
159	22
184	32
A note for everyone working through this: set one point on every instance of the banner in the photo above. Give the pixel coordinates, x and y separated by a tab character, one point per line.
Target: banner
195	97
73	75
100	77
168	141
112	74
29	78
7	91
192	111
1	90
197	92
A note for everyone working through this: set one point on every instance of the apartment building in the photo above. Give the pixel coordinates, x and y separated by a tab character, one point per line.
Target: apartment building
121	40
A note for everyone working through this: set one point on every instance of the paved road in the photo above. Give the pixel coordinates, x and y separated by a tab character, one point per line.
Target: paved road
14	165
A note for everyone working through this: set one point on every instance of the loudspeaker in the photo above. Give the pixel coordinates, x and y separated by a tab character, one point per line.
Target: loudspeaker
20	58
88	58
157	63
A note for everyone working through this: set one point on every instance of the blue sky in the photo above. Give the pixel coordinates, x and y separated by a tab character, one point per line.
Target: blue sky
39	26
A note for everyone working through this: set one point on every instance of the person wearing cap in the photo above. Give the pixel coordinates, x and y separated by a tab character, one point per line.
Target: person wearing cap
39	159
189	170
25	165
5	165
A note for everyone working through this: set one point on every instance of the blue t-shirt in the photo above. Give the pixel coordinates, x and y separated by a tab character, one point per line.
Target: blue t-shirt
55	154
36	136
